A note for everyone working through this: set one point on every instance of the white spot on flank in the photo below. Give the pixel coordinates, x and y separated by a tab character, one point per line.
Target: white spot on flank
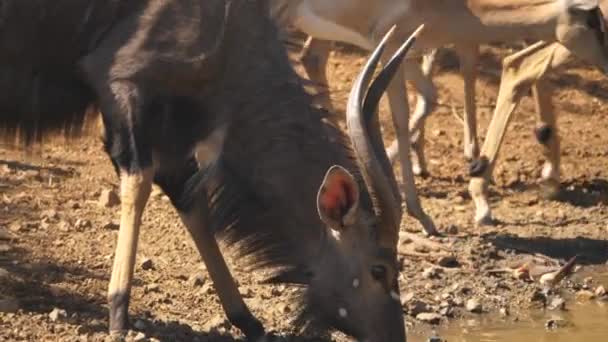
394	295
342	312
356	282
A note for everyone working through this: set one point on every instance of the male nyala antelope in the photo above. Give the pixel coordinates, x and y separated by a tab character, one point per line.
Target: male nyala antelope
199	97
464	24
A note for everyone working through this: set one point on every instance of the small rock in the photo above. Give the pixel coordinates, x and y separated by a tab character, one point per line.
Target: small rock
139	337
448	262
58	314
600	291
82	224
9	305
217	324
473	305
111	226
139	325
16	227
417	306
108	198
447	311
431	273
439	132
151	288
504	312
435	338
458	301
538	296
50	214
208	288
64	226
406	298
429	317
452	229
585	295
147	264
556	323
197	279
4	248
557	303
278	290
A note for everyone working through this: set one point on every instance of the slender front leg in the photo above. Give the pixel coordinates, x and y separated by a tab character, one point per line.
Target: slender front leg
397	96
468	55
121	105
135	190
420	76
314	57
191	204
520	71
548	136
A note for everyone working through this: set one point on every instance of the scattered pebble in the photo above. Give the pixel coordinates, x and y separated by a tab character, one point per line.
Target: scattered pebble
429	317
197	279
147	264
16	227
111	226
600	291
431	273
556	323
504	312
57	314
474	305
448	262
82	224
415	307
452	229
151	288
557	303
108	198
585	295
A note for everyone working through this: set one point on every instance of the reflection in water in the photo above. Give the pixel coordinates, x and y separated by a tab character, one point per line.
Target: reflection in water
587	322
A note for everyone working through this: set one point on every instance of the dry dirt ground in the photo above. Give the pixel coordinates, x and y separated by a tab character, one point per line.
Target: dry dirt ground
56	242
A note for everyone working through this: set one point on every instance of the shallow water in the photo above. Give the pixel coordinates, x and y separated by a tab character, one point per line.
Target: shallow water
587	322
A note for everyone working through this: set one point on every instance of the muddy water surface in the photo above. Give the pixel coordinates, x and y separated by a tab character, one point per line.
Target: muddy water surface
584	321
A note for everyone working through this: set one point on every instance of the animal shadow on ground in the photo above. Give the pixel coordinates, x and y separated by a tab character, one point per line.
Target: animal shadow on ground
588	251
31	283
584	194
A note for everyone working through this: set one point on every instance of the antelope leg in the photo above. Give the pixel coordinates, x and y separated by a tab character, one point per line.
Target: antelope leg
314	57
397	96
468	55
135	190
520	71
548	136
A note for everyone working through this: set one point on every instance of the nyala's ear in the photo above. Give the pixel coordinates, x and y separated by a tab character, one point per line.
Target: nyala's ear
338	198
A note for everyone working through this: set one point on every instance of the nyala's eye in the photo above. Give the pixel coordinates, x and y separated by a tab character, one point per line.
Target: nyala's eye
379	272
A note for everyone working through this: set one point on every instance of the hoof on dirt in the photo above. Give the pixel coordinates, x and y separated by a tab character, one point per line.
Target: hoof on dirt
420	172
429	227
116	336
550	190
485	220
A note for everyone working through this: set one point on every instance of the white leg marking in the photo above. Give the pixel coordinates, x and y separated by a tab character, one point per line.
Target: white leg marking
134	193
